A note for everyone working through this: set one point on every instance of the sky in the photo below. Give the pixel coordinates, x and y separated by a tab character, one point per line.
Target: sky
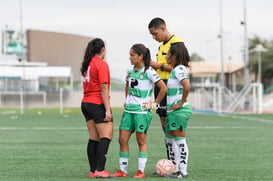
122	23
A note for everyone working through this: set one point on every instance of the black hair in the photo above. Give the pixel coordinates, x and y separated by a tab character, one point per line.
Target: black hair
156	23
180	51
140	49
94	47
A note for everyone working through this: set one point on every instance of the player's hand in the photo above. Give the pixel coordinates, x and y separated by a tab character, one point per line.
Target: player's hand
108	116
146	105
175	106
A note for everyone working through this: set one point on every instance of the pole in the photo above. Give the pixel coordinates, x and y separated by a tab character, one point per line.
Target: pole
3	43
259	67
20	58
61	101
254	98
222	76
21	22
221	44
259	49
246	61
22	101
260	98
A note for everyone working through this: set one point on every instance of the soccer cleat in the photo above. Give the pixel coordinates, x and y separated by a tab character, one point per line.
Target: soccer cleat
102	174
184	176
176	175
91	175
156	174
119	173
139	174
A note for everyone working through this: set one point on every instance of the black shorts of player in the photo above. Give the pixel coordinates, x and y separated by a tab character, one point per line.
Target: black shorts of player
95	112
162	111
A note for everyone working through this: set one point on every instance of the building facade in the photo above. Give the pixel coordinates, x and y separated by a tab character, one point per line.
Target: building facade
57	49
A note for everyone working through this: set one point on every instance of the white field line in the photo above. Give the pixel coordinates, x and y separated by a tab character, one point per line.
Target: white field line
248	118
84	128
7	112
153	127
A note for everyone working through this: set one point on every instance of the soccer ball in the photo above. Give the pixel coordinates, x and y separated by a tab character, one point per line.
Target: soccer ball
164	167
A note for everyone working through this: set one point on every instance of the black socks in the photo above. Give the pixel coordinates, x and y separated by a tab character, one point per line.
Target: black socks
102	149
92	154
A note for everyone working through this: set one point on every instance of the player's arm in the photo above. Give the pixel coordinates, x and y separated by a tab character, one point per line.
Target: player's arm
186	90
154	64
126	89
162	92
126	92
162	67
106	101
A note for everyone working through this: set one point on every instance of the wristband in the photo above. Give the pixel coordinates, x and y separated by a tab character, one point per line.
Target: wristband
162	67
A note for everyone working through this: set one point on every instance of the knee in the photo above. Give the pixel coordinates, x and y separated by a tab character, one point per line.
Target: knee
122	141
107	135
141	142
94	138
107	132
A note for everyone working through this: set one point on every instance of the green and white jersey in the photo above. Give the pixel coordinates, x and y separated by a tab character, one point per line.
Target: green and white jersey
140	86
175	89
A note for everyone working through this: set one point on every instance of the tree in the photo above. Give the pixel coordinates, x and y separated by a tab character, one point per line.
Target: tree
196	58
266	57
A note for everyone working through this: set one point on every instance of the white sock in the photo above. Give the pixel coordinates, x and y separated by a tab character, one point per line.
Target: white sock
123	164
142	163
183	155
172	151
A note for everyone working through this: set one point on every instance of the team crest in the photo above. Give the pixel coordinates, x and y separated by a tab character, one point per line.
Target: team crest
141	76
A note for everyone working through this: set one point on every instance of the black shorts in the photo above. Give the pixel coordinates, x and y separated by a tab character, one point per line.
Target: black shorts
162	111
94	112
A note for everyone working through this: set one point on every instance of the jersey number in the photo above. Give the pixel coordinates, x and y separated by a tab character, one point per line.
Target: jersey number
87	76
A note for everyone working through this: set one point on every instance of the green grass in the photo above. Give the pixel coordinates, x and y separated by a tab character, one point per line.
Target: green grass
51	146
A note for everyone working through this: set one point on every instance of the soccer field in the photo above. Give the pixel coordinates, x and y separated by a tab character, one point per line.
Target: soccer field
45	145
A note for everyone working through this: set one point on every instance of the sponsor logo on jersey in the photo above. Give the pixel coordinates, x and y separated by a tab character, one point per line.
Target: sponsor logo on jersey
134	83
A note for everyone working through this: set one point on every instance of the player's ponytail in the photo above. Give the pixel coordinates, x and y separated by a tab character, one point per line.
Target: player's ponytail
140	49
147	58
94	47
